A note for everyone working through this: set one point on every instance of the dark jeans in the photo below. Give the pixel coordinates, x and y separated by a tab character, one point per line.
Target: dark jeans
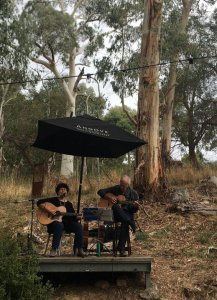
57	229
123	216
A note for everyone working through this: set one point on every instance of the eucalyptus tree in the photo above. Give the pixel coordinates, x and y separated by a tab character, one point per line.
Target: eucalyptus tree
148	164
176	40
12	64
59	36
138	26
197	41
176	34
21	123
195	115
24	113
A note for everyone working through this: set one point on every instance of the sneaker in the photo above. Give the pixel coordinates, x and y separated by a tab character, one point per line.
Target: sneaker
123	254
75	252
53	252
81	252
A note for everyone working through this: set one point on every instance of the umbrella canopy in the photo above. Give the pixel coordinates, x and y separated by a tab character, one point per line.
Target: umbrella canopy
85	136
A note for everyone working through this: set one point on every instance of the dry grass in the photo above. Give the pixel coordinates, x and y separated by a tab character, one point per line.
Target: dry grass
188	175
15	188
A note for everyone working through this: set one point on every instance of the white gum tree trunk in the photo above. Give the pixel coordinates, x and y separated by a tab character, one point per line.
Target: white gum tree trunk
3	101
148	165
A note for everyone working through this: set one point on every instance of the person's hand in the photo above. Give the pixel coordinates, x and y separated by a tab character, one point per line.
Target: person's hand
49	211
121	198
114	199
52	212
79	217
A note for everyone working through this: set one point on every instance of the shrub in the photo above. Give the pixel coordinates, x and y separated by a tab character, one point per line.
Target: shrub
18	274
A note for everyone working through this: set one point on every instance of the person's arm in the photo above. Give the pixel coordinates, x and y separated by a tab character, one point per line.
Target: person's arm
133	197
39	202
108	194
70	209
136	200
42	205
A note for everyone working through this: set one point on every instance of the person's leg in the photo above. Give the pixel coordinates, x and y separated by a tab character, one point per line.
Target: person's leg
57	229
122	234
122	215
78	241
124	231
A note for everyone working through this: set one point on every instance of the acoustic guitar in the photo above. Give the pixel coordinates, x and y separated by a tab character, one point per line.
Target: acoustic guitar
46	218
107	203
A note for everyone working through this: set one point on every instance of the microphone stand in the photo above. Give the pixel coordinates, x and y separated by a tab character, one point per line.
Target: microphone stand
30	234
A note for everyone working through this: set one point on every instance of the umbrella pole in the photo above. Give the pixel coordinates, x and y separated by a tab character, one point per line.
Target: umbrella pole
80	184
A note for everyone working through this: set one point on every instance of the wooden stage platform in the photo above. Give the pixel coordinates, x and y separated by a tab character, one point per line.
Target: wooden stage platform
89	264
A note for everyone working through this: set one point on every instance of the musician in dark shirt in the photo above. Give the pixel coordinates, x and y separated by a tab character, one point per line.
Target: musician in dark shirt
124	213
68	224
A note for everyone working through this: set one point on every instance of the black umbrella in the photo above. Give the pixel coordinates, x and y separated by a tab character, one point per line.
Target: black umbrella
84	136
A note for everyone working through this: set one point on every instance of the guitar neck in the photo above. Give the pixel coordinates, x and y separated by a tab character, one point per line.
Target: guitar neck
69	214
125	202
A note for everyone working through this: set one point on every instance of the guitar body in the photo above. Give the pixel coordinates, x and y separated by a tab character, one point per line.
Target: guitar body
104	203
45	218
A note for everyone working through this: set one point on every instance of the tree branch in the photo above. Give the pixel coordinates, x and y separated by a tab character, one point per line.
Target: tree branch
77	4
52	52
133	121
51	61
75	88
82	48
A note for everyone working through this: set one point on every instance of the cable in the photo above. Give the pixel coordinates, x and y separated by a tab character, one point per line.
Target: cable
190	60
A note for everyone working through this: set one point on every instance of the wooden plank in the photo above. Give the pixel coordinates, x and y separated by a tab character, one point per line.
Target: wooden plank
89	264
96	264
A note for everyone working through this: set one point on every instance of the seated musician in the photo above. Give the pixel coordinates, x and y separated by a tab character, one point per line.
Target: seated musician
67	223
124	212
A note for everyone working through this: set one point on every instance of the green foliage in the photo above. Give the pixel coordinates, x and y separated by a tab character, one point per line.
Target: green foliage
125	19
88	102
18	274
117	116
206	237
48	27
24	112
194	118
164	232
142	236
12	62
21	129
199	156
200	253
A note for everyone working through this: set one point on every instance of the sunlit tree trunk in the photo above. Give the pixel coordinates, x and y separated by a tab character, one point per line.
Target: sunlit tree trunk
148	164
170	95
5	98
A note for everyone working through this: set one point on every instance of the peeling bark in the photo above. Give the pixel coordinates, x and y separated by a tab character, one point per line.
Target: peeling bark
148	162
